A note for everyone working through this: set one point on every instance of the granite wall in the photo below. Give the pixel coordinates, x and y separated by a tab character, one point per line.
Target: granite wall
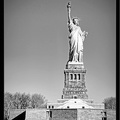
111	114
35	114
63	114
89	114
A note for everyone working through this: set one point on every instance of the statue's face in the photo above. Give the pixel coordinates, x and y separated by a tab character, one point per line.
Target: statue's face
76	21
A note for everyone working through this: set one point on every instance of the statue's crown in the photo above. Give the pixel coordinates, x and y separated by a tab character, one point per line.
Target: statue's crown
76	18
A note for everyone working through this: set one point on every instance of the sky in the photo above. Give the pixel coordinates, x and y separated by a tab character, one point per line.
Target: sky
36	46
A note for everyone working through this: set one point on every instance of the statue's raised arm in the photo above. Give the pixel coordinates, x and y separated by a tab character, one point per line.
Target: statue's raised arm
69	12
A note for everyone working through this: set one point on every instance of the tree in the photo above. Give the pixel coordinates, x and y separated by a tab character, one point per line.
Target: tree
17	101
8	104
110	103
25	101
38	101
21	101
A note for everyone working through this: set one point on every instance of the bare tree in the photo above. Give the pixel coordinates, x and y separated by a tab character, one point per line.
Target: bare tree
38	101
110	103
8	104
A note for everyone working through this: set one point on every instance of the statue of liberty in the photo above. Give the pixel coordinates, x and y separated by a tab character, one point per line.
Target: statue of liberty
76	38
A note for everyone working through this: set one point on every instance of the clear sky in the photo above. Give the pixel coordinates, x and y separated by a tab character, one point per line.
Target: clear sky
36	46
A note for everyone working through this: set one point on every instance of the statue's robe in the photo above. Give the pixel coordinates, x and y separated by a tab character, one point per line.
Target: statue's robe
76	42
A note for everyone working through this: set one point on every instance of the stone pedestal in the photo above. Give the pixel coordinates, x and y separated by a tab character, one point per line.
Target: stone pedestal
74	81
74	65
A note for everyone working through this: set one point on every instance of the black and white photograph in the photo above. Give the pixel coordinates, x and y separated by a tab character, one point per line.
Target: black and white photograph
60	59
